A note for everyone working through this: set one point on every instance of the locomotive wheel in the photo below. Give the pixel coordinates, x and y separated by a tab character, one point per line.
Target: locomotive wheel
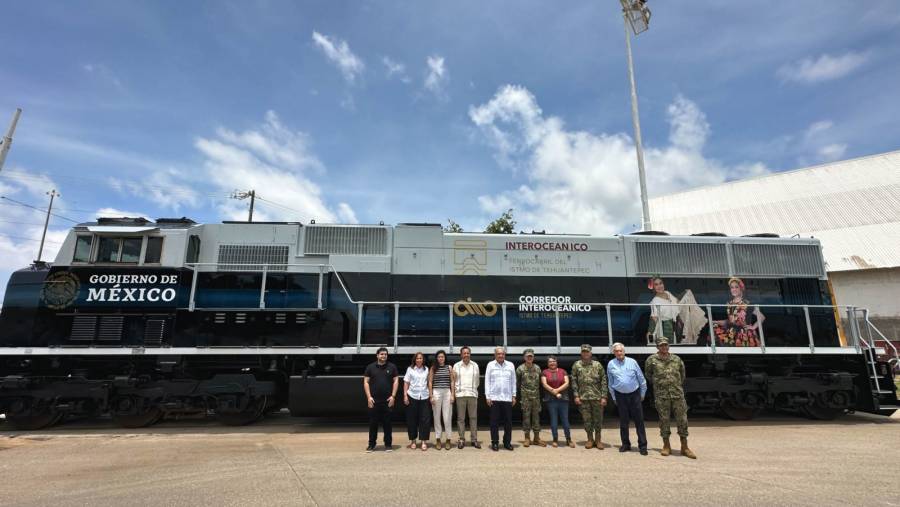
822	413
32	422
254	411
739	413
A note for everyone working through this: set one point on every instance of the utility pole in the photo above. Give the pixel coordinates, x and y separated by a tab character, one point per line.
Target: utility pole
52	195
6	143
637	20
239	194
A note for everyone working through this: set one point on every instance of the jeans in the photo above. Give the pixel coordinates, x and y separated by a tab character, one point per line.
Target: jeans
443	413
630	408
380	414
501	411
559	411
418	419
467	404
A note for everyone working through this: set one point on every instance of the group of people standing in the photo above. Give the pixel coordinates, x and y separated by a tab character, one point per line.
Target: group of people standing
432	392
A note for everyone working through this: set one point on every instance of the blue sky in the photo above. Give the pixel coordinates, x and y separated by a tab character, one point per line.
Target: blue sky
423	111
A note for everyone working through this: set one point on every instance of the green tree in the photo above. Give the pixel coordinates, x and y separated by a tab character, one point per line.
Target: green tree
453	226
502	225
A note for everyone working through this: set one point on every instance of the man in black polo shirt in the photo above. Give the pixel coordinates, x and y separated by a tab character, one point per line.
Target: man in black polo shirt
380	384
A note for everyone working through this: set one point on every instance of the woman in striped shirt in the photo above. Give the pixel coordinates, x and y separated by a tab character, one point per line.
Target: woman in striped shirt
440	384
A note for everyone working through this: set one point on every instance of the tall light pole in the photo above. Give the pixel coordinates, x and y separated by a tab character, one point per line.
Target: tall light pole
637	19
6	142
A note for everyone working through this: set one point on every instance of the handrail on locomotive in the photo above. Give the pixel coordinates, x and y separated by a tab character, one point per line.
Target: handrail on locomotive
857	340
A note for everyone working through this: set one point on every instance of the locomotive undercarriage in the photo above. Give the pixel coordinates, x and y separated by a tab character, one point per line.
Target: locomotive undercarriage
40	391
142	392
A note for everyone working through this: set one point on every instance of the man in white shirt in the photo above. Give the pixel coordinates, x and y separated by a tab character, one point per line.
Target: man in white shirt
467	378
500	391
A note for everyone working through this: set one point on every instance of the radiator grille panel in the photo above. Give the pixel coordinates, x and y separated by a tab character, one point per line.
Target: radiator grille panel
325	240
777	260
153	332
665	257
252	257
110	328
84	327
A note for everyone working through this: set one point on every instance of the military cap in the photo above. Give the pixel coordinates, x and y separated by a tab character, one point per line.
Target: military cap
585	347
662	341
528	351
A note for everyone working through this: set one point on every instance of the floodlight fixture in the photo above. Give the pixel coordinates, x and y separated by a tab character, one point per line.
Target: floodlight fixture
637	14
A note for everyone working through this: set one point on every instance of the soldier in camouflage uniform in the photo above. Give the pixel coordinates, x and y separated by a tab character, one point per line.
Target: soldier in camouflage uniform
528	378
589	388
666	374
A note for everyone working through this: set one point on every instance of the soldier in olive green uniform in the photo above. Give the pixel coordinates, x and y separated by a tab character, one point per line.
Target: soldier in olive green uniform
589	388
528	378
666	374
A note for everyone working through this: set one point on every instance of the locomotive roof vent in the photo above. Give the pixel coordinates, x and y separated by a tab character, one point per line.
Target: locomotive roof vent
716	234
762	235
182	220
649	233
122	221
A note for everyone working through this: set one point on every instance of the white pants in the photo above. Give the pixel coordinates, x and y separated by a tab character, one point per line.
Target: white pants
443	413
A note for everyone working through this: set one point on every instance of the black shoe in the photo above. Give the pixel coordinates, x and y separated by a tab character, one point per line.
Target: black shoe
625	448
495	447
460	444
508	447
388	448
643	452
476	445
370	448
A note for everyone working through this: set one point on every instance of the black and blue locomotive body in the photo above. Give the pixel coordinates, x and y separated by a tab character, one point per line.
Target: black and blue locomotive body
244	318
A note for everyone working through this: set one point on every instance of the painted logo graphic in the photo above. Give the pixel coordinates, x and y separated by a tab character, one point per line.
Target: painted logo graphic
470	256
467	307
60	290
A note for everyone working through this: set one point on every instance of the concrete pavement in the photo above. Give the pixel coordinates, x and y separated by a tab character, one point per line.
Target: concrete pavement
777	460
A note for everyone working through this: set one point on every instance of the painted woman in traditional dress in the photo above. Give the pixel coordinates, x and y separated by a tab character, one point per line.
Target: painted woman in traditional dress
737	330
663	310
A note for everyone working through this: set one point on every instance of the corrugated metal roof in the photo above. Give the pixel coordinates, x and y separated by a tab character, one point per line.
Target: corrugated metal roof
852	206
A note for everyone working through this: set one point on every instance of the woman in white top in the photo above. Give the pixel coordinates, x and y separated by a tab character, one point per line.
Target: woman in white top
441	385
415	397
663	311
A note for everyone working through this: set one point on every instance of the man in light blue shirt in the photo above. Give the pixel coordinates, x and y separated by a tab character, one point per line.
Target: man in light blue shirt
628	387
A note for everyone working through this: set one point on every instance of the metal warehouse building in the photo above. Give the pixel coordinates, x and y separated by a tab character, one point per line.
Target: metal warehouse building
852	207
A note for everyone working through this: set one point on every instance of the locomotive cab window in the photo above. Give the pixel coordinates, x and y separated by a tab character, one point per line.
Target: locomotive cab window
193	250
125	250
153	253
82	249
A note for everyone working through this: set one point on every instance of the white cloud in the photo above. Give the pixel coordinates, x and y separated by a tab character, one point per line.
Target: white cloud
436	75
338	52
394	68
103	73
276	162
831	152
582	182
819	144
118	213
166	188
346	214
823	68
21	227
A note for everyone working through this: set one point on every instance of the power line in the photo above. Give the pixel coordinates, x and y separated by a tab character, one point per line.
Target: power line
87	179
28	239
19	223
44	210
273	203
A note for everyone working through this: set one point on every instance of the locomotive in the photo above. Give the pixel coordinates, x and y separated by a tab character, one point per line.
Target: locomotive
144	319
